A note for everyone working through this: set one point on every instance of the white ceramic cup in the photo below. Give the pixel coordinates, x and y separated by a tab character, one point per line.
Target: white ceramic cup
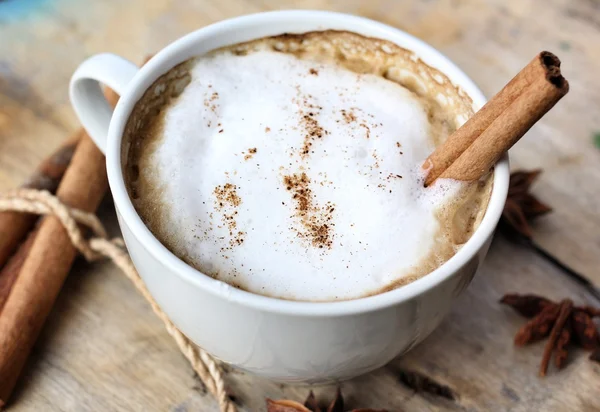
284	340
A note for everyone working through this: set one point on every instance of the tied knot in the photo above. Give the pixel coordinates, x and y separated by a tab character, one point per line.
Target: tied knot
42	202
99	246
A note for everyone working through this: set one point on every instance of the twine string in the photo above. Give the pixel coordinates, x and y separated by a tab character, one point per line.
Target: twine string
99	246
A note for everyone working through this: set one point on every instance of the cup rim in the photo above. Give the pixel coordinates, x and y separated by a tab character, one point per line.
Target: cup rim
276	305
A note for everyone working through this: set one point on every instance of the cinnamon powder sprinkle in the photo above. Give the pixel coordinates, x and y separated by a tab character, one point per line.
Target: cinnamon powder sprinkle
227	201
227	194
210	102
316	221
313	131
308	121
251	153
367	130
348	116
376	158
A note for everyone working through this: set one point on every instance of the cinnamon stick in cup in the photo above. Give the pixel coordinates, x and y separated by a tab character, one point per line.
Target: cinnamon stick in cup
471	151
14	226
46	257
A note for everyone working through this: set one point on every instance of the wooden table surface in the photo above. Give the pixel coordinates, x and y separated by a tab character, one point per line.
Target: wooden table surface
104	350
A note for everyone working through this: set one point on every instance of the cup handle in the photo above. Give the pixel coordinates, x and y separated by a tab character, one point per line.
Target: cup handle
86	95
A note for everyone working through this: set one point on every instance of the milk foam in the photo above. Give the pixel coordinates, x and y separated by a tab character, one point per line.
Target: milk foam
294	178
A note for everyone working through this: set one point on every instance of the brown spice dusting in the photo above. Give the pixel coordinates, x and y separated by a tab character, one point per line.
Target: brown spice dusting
348	116
316	221
314	72
376	164
267	129
227	194
308	112
209	102
251	153
226	201
368	131
313	131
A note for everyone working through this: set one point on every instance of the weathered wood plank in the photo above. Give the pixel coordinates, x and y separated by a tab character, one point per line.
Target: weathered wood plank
104	349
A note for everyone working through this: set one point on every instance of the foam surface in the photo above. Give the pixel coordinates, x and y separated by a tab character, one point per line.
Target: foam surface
294	178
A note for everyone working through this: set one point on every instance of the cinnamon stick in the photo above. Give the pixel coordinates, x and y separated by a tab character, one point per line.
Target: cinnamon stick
8	274
14	226
45	268
471	152
42	263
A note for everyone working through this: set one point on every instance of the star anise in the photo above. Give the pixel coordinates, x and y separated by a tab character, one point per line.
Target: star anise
311	405
521	206
562	322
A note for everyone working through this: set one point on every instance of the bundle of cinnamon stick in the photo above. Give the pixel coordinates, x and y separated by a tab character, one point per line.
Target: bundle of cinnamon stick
34	266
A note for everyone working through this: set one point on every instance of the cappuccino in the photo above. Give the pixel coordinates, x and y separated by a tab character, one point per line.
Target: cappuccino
290	166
